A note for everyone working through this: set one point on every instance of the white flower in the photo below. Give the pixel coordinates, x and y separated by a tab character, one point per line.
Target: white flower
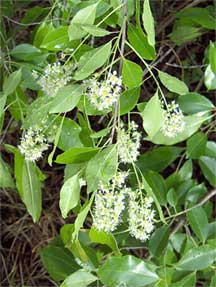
128	143
103	94
173	122
141	216
55	76
33	143
109	203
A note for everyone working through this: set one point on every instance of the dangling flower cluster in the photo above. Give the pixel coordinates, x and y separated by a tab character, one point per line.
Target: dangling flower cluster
128	142
33	143
103	94
141	216
109	203
55	76
173	122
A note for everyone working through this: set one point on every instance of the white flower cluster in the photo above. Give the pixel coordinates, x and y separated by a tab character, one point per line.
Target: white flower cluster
109	203
173	120
128	142
103	94
55	76
33	143
141	216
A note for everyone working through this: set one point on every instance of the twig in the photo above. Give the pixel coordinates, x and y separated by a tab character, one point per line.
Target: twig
120	64
186	67
34	23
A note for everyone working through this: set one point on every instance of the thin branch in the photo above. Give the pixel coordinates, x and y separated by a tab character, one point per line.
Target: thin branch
186	67
116	106
34	23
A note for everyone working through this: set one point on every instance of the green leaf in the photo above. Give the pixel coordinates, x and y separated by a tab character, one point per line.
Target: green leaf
157	246
31	188
132	74
148	22
182	34
58	261
85	16
127	271
80	278
198	221
66	99
212	56
158	158
91	61
210	78
10	84
5	175
152	116
95	31
43	30
3	99
102	167
27	52
173	84
104	238
69	136
194	103
192	124
128	100
197	258
189	280
69	195
56	39
196	145
140	43
77	155
210	149
157	183
208	167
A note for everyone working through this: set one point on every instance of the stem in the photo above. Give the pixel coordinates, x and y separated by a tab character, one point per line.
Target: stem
116	106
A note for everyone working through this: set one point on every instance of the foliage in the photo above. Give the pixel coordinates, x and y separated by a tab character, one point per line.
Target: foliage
75	93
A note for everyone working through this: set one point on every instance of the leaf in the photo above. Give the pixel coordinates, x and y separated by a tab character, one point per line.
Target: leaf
5	175
80	278
158	158
56	40
69	195
157	183
192	124
127	271
77	155
210	79
10	84
85	16
91	61
104	238
156	246
212	57
197	258
27	52
210	150
102	167
66	99
182	34
189	280
152	116
194	103
3	99
31	188
148	22
128	100
198	221
140	43
43	30
69	136
95	31
208	167
196	145
173	84
58	261
132	74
